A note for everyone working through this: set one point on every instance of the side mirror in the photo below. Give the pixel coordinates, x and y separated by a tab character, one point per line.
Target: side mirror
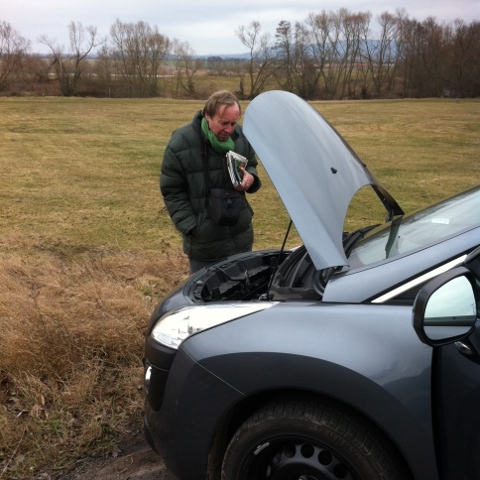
445	309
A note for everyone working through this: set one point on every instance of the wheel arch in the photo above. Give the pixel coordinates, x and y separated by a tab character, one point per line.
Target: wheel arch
241	411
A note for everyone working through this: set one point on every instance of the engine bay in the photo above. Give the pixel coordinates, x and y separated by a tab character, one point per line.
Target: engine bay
264	275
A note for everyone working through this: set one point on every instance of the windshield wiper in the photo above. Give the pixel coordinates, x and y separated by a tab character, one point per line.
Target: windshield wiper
350	239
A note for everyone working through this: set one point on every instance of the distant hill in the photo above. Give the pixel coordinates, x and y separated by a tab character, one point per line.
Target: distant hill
224	56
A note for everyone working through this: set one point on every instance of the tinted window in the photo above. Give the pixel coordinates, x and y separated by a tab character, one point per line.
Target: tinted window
422	228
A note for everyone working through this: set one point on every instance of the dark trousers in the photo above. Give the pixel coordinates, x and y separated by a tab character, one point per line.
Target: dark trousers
196	265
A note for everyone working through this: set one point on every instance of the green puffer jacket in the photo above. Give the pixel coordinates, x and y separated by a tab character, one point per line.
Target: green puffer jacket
182	184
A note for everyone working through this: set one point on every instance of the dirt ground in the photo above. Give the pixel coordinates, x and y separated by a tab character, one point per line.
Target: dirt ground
135	461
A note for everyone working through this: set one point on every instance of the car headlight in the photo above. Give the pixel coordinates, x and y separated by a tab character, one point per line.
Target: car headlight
177	325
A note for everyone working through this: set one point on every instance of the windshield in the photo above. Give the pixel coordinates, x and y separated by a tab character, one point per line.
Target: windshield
407	233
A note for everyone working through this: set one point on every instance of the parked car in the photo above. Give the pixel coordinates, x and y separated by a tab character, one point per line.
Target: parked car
353	356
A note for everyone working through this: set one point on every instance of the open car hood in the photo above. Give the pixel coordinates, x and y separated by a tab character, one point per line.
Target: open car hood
314	170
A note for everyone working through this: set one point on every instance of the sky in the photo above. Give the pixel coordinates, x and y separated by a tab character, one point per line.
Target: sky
209	27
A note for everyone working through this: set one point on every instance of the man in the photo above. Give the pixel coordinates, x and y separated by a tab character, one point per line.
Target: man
194	162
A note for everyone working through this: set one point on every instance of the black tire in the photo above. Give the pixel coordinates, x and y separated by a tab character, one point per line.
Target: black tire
309	440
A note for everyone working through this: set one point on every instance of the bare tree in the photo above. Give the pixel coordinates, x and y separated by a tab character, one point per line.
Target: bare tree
260	62
140	50
285	56
104	68
323	45
306	72
186	67
69	66
424	51
13	49
402	33
462	75
380	54
351	27
330	49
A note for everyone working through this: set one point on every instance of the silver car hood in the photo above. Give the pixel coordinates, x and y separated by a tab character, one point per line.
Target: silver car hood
314	170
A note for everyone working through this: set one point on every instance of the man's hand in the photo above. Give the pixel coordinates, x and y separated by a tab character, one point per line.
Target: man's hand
247	181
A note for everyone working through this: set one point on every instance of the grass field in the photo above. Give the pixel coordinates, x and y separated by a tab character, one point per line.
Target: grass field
86	247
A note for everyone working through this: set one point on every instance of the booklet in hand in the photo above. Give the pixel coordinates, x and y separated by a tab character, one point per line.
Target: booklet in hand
234	162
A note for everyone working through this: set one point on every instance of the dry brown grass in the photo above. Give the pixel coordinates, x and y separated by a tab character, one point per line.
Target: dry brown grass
72	341
86	248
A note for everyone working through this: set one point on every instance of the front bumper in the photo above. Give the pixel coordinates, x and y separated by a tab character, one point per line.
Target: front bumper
183	410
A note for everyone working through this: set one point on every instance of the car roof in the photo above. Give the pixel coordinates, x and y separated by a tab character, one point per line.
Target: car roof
314	170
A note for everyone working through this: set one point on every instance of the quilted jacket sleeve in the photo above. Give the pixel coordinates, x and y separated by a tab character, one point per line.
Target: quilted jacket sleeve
247	151
174	188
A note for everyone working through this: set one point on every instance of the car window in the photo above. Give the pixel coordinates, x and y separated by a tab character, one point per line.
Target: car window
407	233
473	264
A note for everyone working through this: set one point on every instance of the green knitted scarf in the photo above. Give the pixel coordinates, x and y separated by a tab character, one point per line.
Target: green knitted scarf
217	145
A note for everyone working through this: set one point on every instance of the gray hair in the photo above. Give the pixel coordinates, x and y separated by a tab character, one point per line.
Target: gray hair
217	99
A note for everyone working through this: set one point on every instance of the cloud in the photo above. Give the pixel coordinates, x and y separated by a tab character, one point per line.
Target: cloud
209	28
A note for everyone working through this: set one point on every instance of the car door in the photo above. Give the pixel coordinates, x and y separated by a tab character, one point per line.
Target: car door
455	372
456	401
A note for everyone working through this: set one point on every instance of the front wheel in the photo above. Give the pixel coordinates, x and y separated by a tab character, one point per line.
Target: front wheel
310	440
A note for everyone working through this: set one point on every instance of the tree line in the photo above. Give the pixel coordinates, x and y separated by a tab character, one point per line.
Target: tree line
330	55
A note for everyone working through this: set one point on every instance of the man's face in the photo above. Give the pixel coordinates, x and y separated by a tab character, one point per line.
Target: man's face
223	122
